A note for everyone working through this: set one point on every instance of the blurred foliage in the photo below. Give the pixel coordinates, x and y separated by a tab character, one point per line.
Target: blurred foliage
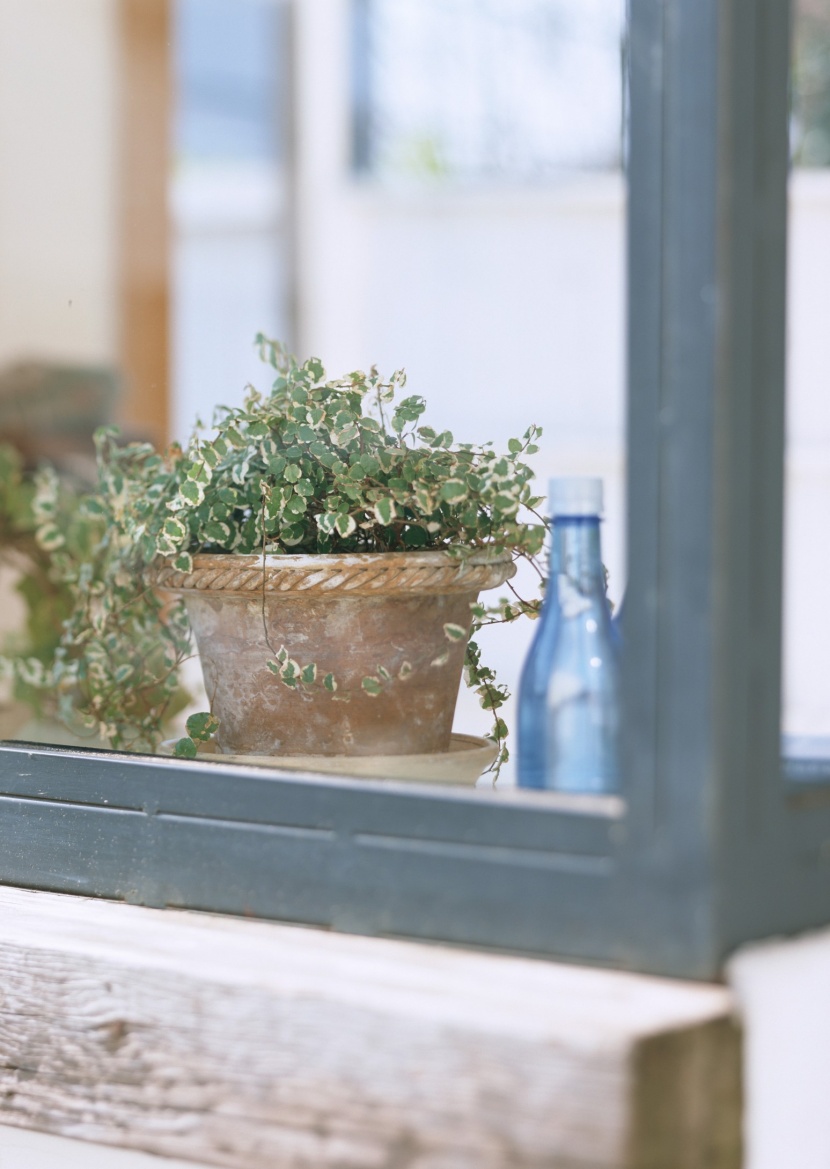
810	128
41	580
48	601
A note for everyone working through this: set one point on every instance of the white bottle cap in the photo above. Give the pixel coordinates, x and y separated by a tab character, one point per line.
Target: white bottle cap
575	496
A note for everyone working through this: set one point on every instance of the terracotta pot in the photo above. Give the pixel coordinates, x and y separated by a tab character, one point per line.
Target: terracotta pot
348	614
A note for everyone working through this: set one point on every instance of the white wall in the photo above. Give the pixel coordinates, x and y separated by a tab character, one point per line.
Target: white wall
57	194
783	988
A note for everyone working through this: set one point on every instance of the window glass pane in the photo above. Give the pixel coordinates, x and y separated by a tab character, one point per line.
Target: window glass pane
806	710
464	89
227	190
429	186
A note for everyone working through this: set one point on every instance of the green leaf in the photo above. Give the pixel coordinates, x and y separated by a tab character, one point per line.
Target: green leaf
174	529
185	749
240	472
506	503
425	500
292	474
275	465
344	524
199	471
415	537
50	537
330	683
309	674
372	686
454	632
193	492
370	465
218	532
315	367
293	534
202	725
454	490
183	562
385	511
295	507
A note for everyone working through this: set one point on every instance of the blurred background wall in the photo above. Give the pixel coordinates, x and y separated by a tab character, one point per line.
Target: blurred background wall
434	184
58	179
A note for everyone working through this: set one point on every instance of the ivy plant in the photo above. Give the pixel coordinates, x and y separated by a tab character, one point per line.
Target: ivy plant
315	465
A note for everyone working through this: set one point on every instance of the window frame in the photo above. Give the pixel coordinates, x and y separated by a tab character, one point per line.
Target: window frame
712	845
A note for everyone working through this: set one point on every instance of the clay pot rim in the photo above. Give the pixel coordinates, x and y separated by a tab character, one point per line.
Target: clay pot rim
354	573
306	559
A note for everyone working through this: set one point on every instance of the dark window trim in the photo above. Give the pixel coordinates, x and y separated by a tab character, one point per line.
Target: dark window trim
711	847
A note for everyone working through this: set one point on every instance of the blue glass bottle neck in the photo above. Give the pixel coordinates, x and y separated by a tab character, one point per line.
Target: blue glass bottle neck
575	548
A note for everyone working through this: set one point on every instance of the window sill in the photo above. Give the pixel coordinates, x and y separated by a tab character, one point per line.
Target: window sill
257	1045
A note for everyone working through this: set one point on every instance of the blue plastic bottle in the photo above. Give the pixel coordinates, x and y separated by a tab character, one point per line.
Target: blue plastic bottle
569	689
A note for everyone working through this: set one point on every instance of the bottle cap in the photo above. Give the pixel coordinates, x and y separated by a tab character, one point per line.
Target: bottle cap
575	496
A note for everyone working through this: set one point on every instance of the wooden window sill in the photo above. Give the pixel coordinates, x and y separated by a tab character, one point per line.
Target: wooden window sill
256	1045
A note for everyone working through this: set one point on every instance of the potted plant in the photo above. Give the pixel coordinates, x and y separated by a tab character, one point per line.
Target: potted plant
326	549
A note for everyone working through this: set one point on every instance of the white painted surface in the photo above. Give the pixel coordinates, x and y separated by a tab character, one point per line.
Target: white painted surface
57	196
20	1149
783	989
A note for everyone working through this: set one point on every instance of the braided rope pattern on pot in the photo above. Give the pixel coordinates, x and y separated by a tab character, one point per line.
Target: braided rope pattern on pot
384	572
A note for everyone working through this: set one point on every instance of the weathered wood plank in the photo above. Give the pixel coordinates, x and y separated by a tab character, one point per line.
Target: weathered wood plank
254	1045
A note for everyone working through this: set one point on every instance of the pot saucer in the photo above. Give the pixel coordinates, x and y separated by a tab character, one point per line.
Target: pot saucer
467	757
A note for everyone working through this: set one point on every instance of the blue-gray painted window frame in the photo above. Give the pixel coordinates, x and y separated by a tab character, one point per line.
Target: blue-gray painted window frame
711	845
